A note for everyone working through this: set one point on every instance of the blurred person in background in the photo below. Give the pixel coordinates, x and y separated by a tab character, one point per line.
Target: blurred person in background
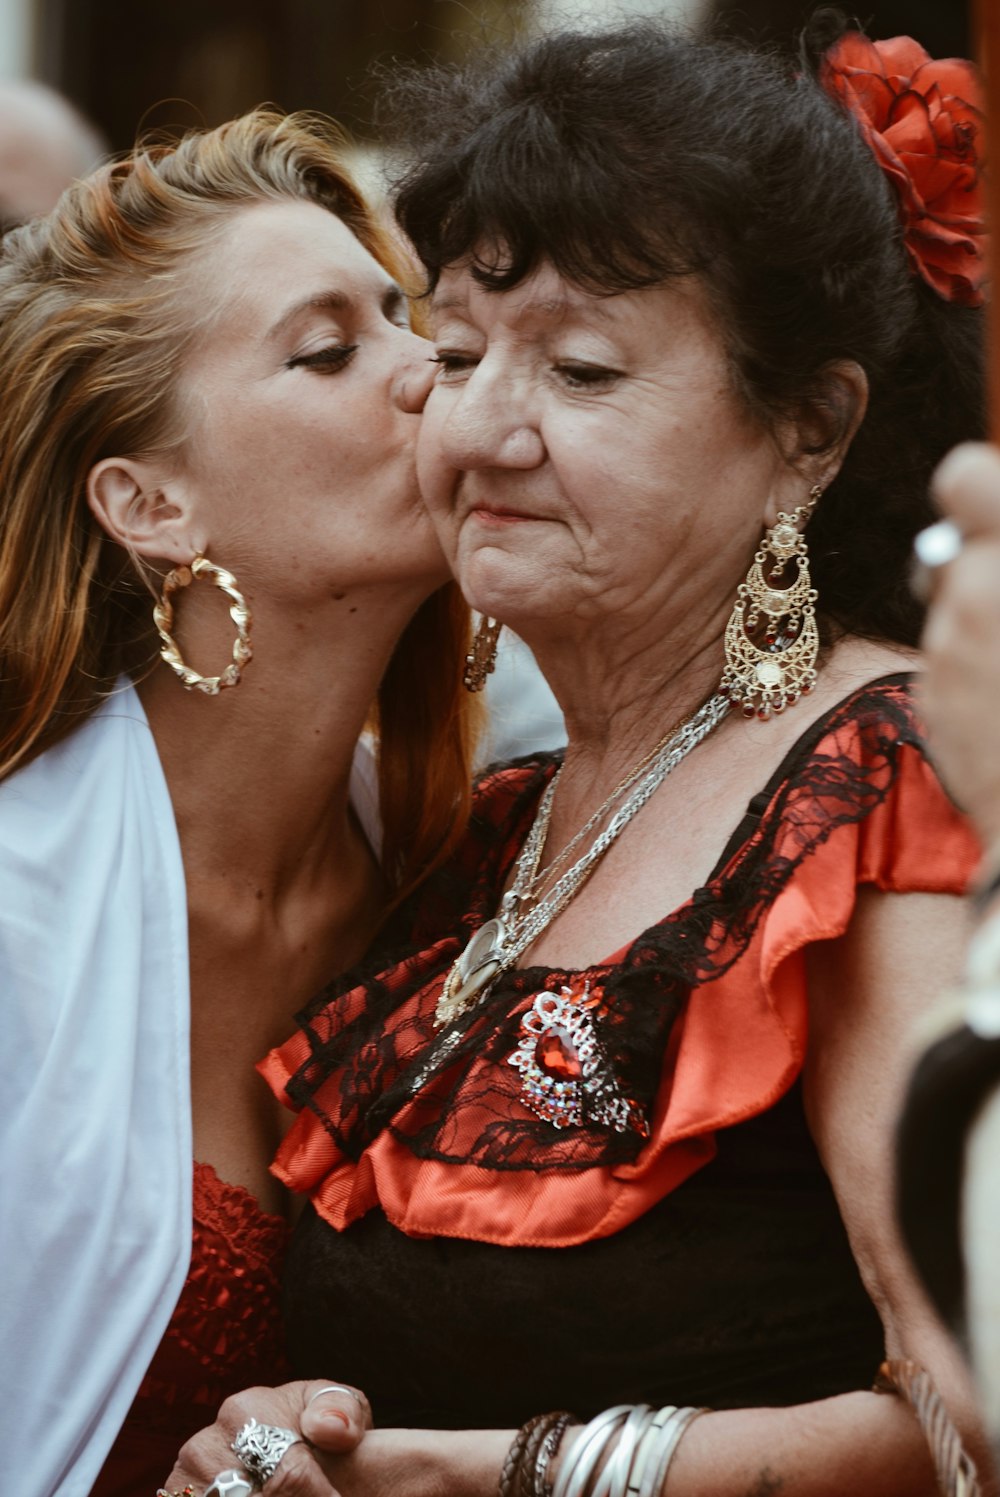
942	26
45	144
950	1133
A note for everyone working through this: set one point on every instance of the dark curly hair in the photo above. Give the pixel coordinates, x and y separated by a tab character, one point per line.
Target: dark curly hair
632	155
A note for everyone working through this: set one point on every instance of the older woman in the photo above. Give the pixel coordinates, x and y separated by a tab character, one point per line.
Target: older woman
209	409
624	1141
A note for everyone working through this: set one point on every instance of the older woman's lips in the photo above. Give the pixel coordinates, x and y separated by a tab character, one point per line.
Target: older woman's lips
500	516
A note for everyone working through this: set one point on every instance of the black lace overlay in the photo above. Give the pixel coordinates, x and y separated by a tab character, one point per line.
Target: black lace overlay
378	1063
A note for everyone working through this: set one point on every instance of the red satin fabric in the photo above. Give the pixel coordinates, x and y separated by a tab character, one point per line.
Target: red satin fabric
225	1335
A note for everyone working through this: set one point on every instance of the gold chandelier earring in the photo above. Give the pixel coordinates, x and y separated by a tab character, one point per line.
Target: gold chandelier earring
482	658
771	639
239	611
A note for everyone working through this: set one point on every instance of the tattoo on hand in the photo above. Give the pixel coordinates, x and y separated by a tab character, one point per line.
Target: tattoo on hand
767	1484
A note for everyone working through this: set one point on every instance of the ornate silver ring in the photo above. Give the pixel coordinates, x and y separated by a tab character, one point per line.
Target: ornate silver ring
230	1484
260	1447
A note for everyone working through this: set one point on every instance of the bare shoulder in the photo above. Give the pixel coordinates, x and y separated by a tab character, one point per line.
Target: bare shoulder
870	992
870	995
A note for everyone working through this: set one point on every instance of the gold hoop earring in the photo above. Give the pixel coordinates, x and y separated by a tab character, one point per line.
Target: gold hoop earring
482	658
771	639
239	612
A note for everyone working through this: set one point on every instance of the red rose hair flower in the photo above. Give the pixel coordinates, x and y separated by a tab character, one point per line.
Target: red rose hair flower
923	120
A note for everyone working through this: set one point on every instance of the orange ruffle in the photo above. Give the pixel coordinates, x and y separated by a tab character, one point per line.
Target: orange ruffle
737	1048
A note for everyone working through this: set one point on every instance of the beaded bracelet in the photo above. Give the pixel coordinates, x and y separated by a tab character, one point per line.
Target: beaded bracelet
525	1469
547	1451
511	1466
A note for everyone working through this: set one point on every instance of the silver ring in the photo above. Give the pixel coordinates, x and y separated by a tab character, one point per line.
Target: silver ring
230	1484
933	547
337	1388
938	544
260	1448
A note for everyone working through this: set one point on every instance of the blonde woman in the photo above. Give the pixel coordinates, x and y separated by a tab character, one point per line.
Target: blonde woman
210	405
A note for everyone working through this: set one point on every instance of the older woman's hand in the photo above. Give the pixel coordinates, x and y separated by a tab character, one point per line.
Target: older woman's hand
962	640
416	1463
329	1416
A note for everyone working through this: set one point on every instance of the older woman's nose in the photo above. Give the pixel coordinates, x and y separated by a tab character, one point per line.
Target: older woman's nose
483	430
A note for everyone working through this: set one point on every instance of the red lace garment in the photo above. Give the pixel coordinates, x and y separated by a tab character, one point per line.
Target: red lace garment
225	1334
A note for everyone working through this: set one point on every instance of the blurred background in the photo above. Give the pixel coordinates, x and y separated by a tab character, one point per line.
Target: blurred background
126	64
80	78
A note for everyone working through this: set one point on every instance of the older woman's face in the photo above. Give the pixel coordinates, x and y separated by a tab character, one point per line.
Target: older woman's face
586	456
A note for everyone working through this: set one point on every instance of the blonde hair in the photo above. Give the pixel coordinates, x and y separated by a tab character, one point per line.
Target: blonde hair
93	332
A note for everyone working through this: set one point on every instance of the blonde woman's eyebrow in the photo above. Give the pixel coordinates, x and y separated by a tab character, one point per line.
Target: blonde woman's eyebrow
392	299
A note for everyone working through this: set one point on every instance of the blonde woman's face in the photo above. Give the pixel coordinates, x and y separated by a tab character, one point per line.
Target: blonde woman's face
302	399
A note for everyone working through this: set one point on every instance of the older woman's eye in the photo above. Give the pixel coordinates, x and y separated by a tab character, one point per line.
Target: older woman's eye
451	363
327	360
587	376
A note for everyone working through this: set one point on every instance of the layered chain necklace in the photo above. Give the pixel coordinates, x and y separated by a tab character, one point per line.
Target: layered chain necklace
525	910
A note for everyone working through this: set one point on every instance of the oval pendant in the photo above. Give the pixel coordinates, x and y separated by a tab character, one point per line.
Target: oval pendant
477	966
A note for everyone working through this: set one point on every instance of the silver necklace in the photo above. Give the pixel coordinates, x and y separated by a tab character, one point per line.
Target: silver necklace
500	942
538	877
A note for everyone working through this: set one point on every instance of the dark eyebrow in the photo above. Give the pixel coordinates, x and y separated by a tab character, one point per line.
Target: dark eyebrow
447	303
393	297
546	308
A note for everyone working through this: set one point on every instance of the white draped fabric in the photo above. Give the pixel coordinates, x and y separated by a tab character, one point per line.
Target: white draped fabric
95	1120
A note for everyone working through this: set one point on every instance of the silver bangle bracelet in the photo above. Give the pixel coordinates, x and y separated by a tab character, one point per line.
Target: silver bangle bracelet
646	1455
580	1461
672	1432
613	1480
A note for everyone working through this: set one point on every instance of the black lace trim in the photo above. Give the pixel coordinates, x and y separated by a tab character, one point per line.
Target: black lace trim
378	1063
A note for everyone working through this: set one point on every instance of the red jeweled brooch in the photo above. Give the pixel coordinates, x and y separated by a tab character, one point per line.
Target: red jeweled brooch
565	1076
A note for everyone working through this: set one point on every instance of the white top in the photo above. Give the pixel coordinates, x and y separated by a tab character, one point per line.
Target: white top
524	716
95	1110
95	1117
